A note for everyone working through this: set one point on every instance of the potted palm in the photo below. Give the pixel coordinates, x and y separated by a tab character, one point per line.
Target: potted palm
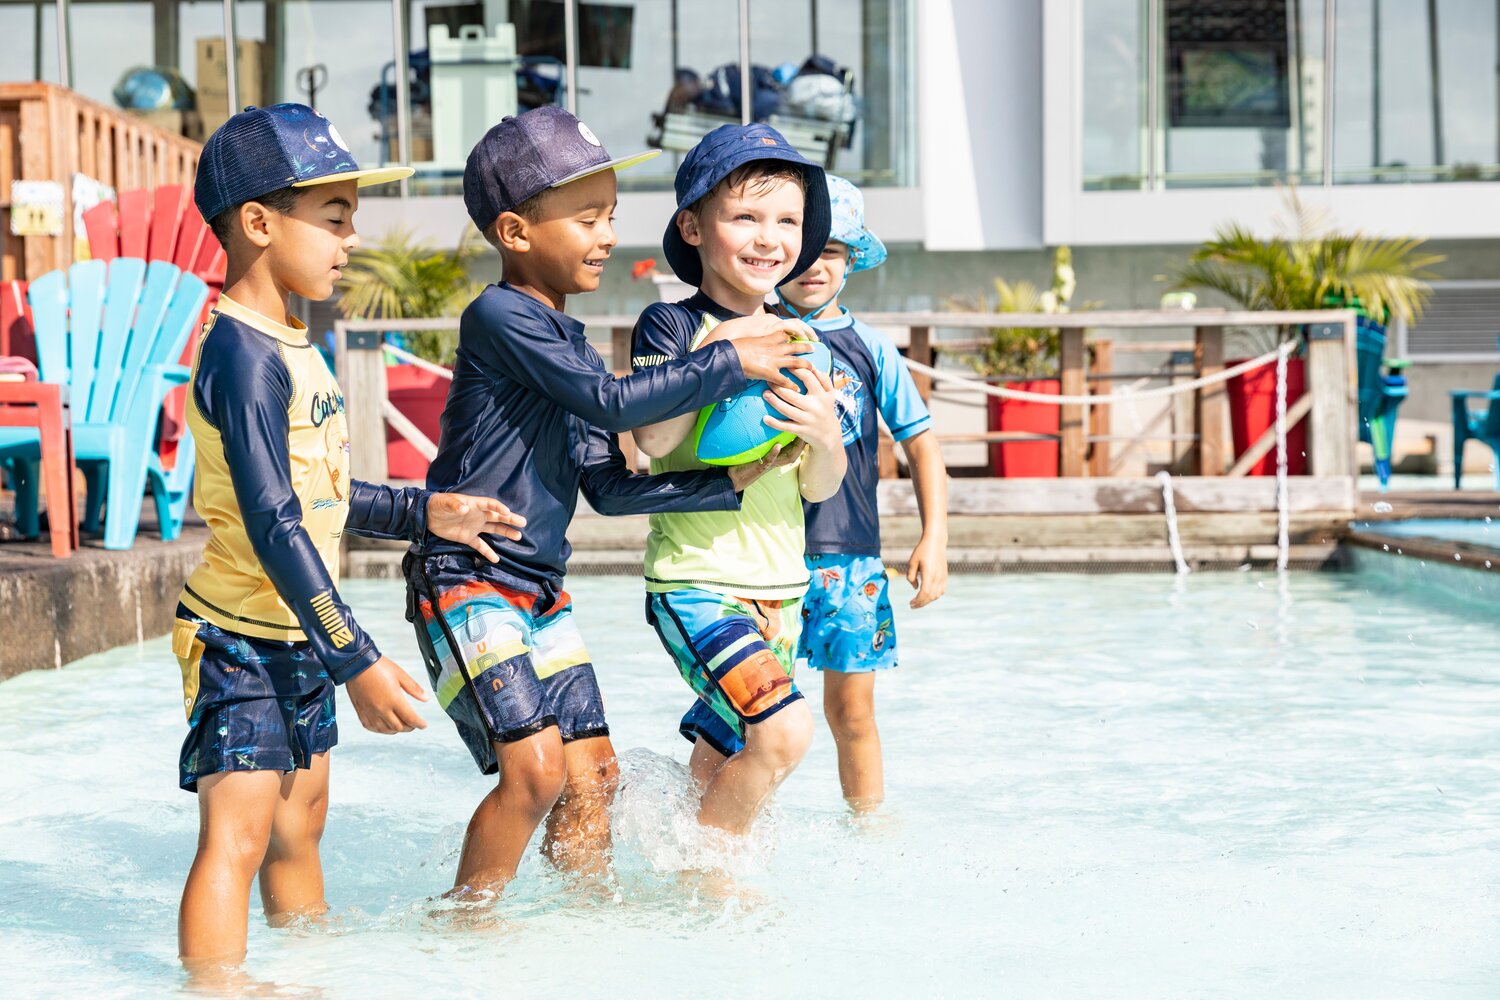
1026	359
1309	264
405	278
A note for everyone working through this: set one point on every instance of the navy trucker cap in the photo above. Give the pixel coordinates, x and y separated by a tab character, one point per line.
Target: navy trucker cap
526	154
261	150
721	153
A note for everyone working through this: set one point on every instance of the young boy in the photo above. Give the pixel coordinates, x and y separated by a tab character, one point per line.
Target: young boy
848	630
529	417
723	589
261	634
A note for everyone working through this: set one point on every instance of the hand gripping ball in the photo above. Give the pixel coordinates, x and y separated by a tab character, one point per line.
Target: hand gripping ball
733	431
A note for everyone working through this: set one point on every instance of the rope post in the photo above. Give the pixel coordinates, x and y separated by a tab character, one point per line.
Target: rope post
619	363
1101	417
1331	381
361	371
1212	403
1071	414
920	351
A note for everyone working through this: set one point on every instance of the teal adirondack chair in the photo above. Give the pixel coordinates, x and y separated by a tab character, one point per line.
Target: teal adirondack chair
113	333
1381	394
1481	425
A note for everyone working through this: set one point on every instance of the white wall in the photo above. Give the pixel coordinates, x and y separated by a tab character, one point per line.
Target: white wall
979	121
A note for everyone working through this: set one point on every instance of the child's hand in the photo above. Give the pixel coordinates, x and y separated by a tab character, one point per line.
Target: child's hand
927	571
810	415
743	475
378	693
760	324
461	518
766	344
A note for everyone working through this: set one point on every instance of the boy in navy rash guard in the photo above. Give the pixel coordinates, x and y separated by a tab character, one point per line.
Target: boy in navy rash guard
529	417
261	634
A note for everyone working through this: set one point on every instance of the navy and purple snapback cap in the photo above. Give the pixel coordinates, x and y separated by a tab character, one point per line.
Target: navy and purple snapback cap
721	153
524	155
261	150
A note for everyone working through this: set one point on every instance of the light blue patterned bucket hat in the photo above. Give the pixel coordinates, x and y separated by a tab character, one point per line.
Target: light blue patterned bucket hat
865	249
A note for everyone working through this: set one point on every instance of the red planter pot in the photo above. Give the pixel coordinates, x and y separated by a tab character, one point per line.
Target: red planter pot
1252	411
419	395
1025	459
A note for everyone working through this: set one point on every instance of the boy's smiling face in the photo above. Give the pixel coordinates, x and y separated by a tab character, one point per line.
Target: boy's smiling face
564	249
307	247
819	285
749	238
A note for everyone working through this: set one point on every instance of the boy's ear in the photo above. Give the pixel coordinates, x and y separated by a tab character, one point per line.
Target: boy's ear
512	232
689	229
256	223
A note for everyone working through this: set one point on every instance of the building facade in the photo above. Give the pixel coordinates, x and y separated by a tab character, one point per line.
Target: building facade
984	131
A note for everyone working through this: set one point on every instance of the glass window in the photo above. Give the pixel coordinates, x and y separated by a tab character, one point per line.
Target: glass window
1415	91
1242	91
1114	94
31	31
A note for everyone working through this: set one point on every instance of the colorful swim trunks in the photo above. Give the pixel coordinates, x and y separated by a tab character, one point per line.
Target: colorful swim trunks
522	665
737	654
847	623
252	704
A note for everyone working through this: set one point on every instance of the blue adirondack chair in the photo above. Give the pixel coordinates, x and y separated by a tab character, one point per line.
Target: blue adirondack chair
113	333
1381	393
1482	424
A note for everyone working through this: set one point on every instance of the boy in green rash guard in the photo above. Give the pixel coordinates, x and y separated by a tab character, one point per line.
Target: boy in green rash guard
724	588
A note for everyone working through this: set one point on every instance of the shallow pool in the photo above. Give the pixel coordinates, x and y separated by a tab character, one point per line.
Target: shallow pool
1098	786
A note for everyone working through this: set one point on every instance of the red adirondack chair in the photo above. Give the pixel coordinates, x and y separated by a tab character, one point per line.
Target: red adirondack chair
161	225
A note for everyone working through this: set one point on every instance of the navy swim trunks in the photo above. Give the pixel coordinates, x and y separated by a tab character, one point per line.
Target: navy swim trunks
252	704
522	665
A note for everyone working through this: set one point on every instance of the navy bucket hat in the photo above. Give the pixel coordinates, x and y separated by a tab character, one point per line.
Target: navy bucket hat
721	153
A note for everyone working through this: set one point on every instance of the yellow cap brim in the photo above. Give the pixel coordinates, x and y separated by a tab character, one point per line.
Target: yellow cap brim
619	164
362	178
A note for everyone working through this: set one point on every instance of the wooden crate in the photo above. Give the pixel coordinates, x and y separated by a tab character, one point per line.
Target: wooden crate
50	133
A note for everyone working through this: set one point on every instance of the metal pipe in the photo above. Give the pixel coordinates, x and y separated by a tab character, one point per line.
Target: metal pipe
1329	19
403	104
1376	153
747	105
1436	72
1153	92
570	50
64	63
231	70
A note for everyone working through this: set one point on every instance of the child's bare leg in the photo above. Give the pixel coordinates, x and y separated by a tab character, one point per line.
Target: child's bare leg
291	877
235	810
772	748
578	836
532	771
849	704
704	764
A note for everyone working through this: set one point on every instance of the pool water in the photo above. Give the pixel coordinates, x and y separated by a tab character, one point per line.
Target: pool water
1221	786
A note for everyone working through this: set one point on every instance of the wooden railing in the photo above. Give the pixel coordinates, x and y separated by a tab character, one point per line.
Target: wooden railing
1330	403
50	133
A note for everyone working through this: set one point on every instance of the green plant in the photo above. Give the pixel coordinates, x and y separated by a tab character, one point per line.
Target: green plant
404	278
1027	352
1310	265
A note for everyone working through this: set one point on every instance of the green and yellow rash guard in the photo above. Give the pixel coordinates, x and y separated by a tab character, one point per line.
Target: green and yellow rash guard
754	552
272	482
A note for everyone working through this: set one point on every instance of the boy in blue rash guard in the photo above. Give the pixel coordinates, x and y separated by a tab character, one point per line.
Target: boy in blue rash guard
529	417
848	631
261	634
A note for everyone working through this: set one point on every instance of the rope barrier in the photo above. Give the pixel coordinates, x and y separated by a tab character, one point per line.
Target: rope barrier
1283	504
416	362
976	383
1169	507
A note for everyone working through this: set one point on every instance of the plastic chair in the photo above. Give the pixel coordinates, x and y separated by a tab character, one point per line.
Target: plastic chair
111	332
1481	425
1382	389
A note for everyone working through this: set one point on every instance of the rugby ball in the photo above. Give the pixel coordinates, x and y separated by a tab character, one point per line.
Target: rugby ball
733	431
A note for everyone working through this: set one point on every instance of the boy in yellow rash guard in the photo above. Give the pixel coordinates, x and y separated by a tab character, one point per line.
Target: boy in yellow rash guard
261	634
724	587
